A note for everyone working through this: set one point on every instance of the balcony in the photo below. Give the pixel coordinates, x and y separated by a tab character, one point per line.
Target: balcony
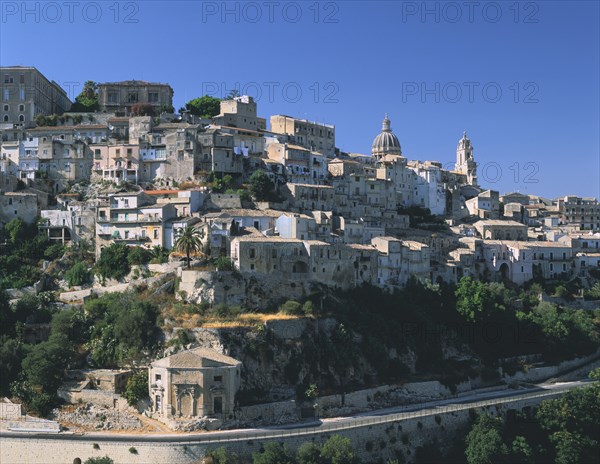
132	238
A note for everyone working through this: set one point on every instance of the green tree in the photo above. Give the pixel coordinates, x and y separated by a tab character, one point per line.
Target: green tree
224	263
261	186
339	450
309	453
45	363
572	424
113	261
234	93
222	456
11	356
484	441
87	100
138	255
273	453
190	241
521	451
15	230
205	107
136	388
77	275
160	254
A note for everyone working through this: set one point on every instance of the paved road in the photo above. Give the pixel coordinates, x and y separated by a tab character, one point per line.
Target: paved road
473	400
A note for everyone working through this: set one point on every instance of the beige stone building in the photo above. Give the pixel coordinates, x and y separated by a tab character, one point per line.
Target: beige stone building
240	112
584	213
134	219
26	93
486	205
311	135
18	205
121	97
116	163
520	262
302	166
194	383
495	229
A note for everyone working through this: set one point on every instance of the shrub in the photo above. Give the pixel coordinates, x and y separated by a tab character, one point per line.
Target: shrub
224	263
41	404
54	251
308	308
138	255
103	460
77	275
133	450
291	307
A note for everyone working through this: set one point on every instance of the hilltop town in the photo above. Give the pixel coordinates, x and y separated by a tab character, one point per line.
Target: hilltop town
240	265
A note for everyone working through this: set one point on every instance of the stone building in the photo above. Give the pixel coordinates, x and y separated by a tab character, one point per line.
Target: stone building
240	112
386	143
74	223
520	262
26	93
302	166
495	229
311	135
584	213
134	219
18	205
465	162
121	97
116	163
486	205
194	383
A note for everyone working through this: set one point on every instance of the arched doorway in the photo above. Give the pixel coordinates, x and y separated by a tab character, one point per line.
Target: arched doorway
300	267
504	271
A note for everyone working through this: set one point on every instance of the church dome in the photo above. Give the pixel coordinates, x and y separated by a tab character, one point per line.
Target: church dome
386	143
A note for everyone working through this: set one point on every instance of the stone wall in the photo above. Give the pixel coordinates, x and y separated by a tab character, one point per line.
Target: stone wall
537	374
374	438
247	289
96	397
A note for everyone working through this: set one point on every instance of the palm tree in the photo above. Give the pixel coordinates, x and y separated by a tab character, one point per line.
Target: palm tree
190	241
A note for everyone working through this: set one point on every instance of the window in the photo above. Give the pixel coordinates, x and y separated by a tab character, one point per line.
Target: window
252	253
218	378
155	233
113	97
21	118
21	107
153	97
6	107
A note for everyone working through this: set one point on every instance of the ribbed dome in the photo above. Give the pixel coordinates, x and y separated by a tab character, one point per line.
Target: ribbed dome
386	143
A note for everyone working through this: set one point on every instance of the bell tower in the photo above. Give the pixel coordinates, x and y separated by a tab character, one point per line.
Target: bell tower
465	163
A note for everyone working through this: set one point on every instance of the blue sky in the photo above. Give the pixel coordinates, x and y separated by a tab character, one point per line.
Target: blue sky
522	78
